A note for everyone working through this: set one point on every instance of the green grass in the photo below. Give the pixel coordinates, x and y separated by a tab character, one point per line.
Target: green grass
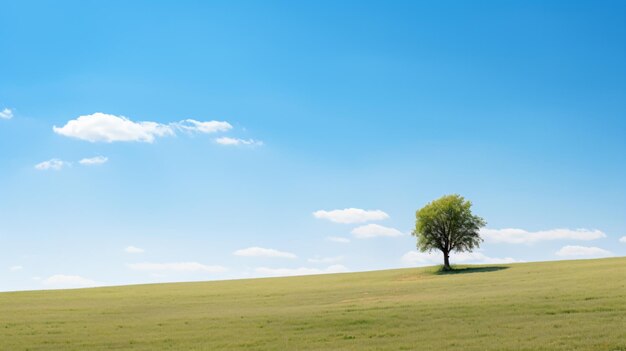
567	305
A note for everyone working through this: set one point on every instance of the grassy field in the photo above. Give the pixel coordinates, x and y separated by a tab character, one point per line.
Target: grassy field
567	305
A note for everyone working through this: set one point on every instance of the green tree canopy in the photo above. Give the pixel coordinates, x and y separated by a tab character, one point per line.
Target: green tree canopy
447	224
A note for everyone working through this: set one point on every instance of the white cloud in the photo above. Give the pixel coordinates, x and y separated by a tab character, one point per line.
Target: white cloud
520	236
6	114
622	239
337	268
192	125
338	239
176	267
236	142
374	230
102	127
262	252
351	215
15	268
416	258
98	160
326	260
133	249
69	281
583	251
52	164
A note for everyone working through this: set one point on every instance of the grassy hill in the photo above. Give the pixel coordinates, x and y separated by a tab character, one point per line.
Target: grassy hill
566	305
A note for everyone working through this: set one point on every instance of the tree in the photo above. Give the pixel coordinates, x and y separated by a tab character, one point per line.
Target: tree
447	224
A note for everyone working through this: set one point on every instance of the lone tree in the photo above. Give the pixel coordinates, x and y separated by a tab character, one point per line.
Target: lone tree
447	224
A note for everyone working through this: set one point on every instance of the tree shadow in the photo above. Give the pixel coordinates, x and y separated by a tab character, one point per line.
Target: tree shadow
464	270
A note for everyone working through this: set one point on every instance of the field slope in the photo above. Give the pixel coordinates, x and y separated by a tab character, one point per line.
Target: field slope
566	305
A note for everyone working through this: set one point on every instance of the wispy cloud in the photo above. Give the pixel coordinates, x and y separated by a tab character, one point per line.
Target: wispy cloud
520	236
191	125
622	239
176	267
98	160
102	127
351	215
133	250
15	268
263	252
416	258
338	239
69	281
53	164
583	251
265	271
6	114
237	142
374	230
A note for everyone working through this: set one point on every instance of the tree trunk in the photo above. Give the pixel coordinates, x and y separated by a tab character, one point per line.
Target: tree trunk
446	261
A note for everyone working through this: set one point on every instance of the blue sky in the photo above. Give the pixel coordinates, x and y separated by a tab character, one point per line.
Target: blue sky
212	133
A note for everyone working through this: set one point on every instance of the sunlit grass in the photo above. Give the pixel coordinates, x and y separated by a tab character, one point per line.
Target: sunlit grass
567	305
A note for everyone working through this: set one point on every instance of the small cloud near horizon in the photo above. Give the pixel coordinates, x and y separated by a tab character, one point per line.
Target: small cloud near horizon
351	215
263	252
134	250
583	251
283	272
327	260
520	236
176	267
69	281
375	230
